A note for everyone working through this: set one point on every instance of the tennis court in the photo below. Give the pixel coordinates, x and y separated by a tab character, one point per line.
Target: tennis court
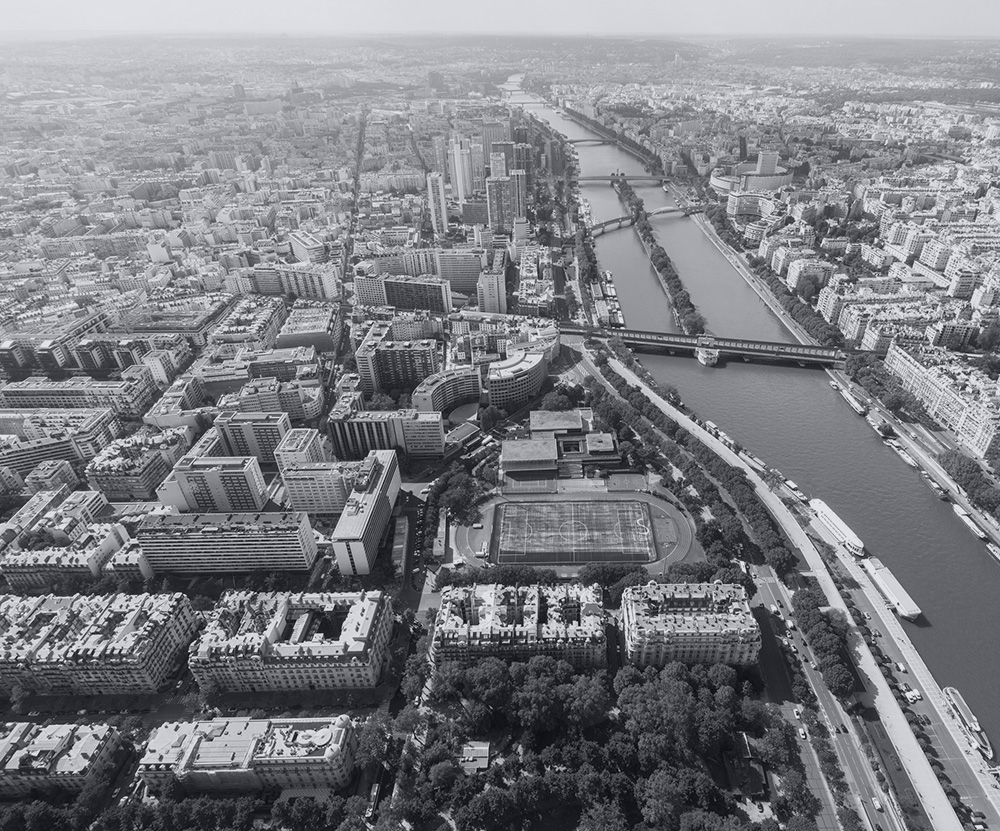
574	532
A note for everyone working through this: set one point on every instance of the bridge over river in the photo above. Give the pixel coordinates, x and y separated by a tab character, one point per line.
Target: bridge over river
599	228
749	350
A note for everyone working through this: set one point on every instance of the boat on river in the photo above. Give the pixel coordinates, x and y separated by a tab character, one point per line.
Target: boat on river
994	550
970	523
936	489
969	719
840	529
707	356
885	581
796	492
901	452
855	405
835	385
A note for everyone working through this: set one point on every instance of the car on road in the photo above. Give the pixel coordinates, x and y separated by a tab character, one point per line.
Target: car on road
798	713
477	525
813	665
425	490
802	733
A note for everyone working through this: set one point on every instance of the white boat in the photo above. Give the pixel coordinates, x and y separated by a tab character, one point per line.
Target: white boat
994	550
706	357
877	424
885	581
970	721
840	529
970	523
835	385
795	491
754	462
855	405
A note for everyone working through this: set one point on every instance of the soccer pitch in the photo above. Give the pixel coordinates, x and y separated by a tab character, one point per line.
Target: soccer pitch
574	532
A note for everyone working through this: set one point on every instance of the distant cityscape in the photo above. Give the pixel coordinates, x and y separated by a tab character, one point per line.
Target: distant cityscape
348	471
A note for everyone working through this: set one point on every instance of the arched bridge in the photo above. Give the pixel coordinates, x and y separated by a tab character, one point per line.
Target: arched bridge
599	228
748	350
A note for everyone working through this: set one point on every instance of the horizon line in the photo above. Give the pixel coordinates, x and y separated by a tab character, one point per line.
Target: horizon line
81	34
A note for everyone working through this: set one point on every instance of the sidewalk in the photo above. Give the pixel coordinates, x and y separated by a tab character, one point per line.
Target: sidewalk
918	769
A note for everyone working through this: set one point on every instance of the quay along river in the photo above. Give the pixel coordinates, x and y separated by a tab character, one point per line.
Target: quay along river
794	421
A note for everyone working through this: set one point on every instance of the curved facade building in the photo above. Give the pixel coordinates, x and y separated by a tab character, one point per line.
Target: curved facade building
443	391
745	176
514	381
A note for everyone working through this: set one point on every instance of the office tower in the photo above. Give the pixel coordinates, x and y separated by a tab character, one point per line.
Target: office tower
229	543
519	192
743	148
440	145
307	248
215	484
255	434
492	293
477	159
507	149
498	165
767	162
493	132
461	170
500	204
437	203
524	159
359	531
279	641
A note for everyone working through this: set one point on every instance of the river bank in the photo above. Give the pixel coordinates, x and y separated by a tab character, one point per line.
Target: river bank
910	754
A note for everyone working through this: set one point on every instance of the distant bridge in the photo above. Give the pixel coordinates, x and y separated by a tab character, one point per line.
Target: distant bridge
614	178
592	141
748	350
599	228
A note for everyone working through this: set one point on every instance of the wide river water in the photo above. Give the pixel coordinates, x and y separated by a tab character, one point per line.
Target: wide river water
792	419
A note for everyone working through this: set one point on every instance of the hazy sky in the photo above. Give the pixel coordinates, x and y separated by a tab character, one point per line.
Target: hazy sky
976	18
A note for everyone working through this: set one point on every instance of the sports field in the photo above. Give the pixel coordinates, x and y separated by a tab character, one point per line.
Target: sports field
574	532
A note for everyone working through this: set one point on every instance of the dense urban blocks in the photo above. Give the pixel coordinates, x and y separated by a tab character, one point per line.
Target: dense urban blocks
574	532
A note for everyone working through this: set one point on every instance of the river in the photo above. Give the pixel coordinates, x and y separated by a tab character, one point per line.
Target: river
793	420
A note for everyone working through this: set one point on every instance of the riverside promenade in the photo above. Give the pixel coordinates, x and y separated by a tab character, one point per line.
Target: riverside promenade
914	762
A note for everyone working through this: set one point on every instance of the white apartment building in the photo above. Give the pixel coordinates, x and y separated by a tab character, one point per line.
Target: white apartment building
958	397
302	446
240	754
418	434
318	487
227	543
366	515
62	758
271	642
695	623
93	645
517	623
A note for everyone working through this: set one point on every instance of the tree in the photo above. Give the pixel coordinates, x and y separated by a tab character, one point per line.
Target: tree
489	418
381	402
555	401
989	338
373	739
839	679
19	698
603	816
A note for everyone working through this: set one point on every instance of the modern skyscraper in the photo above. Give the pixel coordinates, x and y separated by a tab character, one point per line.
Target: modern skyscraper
437	203
461	170
767	161
493	131
519	192
507	148
477	158
498	165
492	293
500	203
523	157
